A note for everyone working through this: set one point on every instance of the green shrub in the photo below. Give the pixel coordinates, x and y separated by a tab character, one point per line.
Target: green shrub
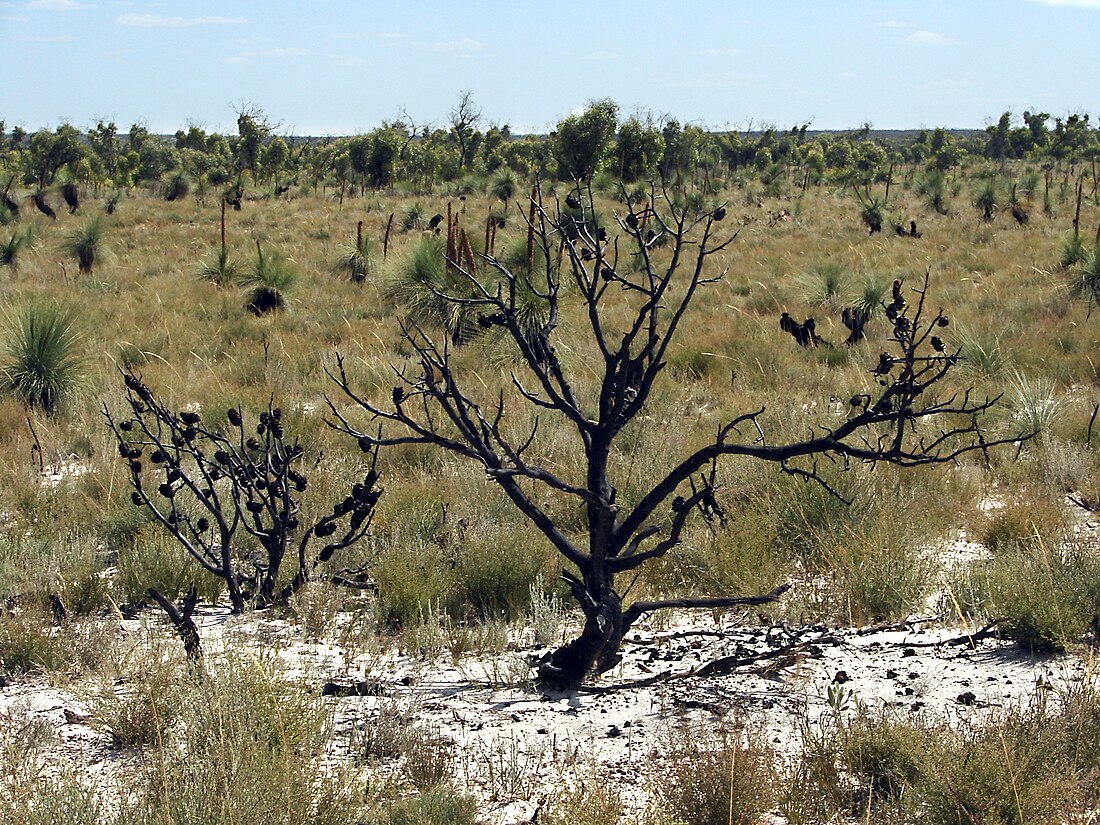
420	281
45	365
244	753
11	249
715	783
87	243
356	262
269	282
441	806
221	270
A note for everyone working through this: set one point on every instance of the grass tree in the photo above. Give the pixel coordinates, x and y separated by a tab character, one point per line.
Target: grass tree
268	283
87	244
11	249
356	262
45	365
632	313
222	269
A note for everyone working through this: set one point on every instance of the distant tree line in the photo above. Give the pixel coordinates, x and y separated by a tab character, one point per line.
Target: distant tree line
595	142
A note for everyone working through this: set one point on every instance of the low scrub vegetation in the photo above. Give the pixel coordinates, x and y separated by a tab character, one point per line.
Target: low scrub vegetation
596	379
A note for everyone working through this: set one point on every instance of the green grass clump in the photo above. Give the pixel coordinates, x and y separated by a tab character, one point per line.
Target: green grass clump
221	270
420	283
356	262
1021	765
87	243
716	782
244	751
441	806
269	281
11	249
45	365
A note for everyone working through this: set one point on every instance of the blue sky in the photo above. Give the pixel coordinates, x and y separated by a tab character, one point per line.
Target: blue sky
338	67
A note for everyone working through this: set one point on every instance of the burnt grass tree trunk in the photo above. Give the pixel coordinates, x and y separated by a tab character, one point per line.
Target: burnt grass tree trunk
230	494
897	421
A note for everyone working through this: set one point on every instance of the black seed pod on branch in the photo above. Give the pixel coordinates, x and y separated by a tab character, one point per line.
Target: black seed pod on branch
221	456
365	444
166	490
158	456
885	364
189	418
202	524
254	506
126	426
136	499
135	467
325	528
252	444
234	416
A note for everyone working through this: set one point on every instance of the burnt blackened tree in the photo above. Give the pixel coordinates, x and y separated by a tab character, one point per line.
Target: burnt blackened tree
230	494
619	275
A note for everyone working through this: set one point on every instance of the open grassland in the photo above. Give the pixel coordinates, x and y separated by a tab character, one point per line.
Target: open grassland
452	559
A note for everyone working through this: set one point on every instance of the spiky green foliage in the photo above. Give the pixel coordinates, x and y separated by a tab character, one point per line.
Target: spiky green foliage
1074	251
1086	284
14	246
87	243
221	270
825	285
177	186
986	199
412	217
269	281
872	297
420	283
503	184
45	366
932	186
355	261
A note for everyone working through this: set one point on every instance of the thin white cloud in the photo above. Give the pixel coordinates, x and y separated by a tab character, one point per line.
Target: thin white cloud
154	21
927	38
14	18
602	54
465	45
893	24
56	5
49	38
716	52
712	80
278	54
1072	4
